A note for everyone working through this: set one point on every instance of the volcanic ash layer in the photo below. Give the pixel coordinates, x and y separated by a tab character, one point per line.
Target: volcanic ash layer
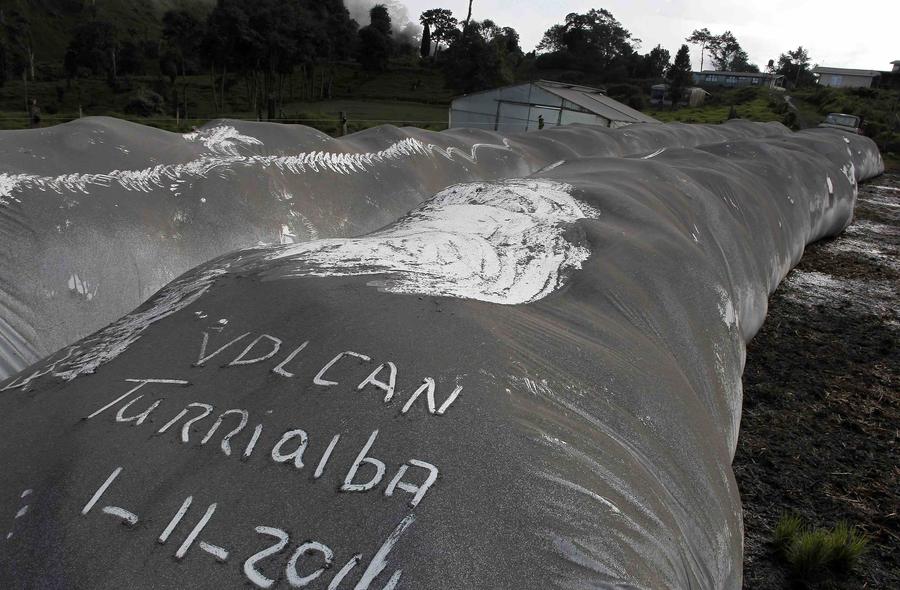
99	214
523	383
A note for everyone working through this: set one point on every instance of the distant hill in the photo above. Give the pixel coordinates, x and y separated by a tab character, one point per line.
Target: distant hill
52	21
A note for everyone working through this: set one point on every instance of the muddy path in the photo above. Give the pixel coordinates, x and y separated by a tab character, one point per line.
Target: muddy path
821	414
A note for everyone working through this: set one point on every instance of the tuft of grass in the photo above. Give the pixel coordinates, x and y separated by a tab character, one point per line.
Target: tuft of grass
847	545
809	554
812	554
787	529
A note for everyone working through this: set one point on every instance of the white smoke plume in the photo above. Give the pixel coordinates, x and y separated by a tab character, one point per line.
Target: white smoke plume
406	30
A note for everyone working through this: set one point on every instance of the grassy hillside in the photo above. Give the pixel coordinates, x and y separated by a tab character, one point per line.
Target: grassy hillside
879	108
755	104
402	95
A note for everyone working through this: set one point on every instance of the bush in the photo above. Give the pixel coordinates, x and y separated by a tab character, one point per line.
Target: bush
143	102
789	120
629	94
745	94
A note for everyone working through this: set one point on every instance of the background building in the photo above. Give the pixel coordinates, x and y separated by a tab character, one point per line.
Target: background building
736	79
846	77
519	107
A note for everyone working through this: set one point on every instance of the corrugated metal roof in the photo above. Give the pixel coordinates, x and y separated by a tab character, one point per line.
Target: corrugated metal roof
846	72
596	102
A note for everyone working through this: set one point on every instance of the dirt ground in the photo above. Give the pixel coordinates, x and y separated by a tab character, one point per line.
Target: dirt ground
821	417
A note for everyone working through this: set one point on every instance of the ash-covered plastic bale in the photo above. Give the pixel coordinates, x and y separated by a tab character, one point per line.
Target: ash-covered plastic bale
99	214
523	383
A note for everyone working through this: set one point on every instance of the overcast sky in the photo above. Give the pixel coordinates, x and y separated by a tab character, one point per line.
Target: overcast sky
861	34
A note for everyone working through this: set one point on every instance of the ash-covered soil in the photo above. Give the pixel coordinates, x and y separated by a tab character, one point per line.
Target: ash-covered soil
821	420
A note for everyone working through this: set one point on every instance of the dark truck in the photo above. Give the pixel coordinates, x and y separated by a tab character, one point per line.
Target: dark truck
850	123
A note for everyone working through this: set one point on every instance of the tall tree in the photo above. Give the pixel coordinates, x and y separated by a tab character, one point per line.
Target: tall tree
380	19
375	41
701	37
741	63
19	43
594	39
655	63
227	32
794	66
486	57
468	18
443	26
182	33
727	54
679	75
94	46
425	47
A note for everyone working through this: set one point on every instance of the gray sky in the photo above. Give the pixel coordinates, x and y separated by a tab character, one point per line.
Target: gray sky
860	34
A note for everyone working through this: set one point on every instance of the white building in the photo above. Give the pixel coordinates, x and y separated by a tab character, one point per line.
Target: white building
522	106
846	77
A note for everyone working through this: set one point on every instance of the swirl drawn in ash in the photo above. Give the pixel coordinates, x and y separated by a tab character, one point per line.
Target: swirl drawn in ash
222	144
501	242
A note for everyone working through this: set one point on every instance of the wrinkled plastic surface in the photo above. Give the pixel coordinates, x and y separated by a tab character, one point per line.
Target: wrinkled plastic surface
523	383
98	214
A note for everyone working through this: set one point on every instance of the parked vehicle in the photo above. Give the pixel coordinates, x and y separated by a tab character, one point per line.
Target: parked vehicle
850	123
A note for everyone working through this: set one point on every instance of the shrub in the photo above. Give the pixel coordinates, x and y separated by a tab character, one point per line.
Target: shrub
790	120
143	102
745	94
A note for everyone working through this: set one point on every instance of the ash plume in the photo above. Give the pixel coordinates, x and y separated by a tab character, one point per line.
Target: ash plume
406	30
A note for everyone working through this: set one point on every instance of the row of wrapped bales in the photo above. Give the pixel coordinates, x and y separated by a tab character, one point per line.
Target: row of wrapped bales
531	382
99	214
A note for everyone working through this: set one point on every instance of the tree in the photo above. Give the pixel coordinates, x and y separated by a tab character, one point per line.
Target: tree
654	64
131	57
375	41
722	49
794	66
227	35
741	63
182	34
727	55
4	74
380	19
593	40
468	18
263	42
679	75
701	37
19	43
443	26
94	46
485	57
425	47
